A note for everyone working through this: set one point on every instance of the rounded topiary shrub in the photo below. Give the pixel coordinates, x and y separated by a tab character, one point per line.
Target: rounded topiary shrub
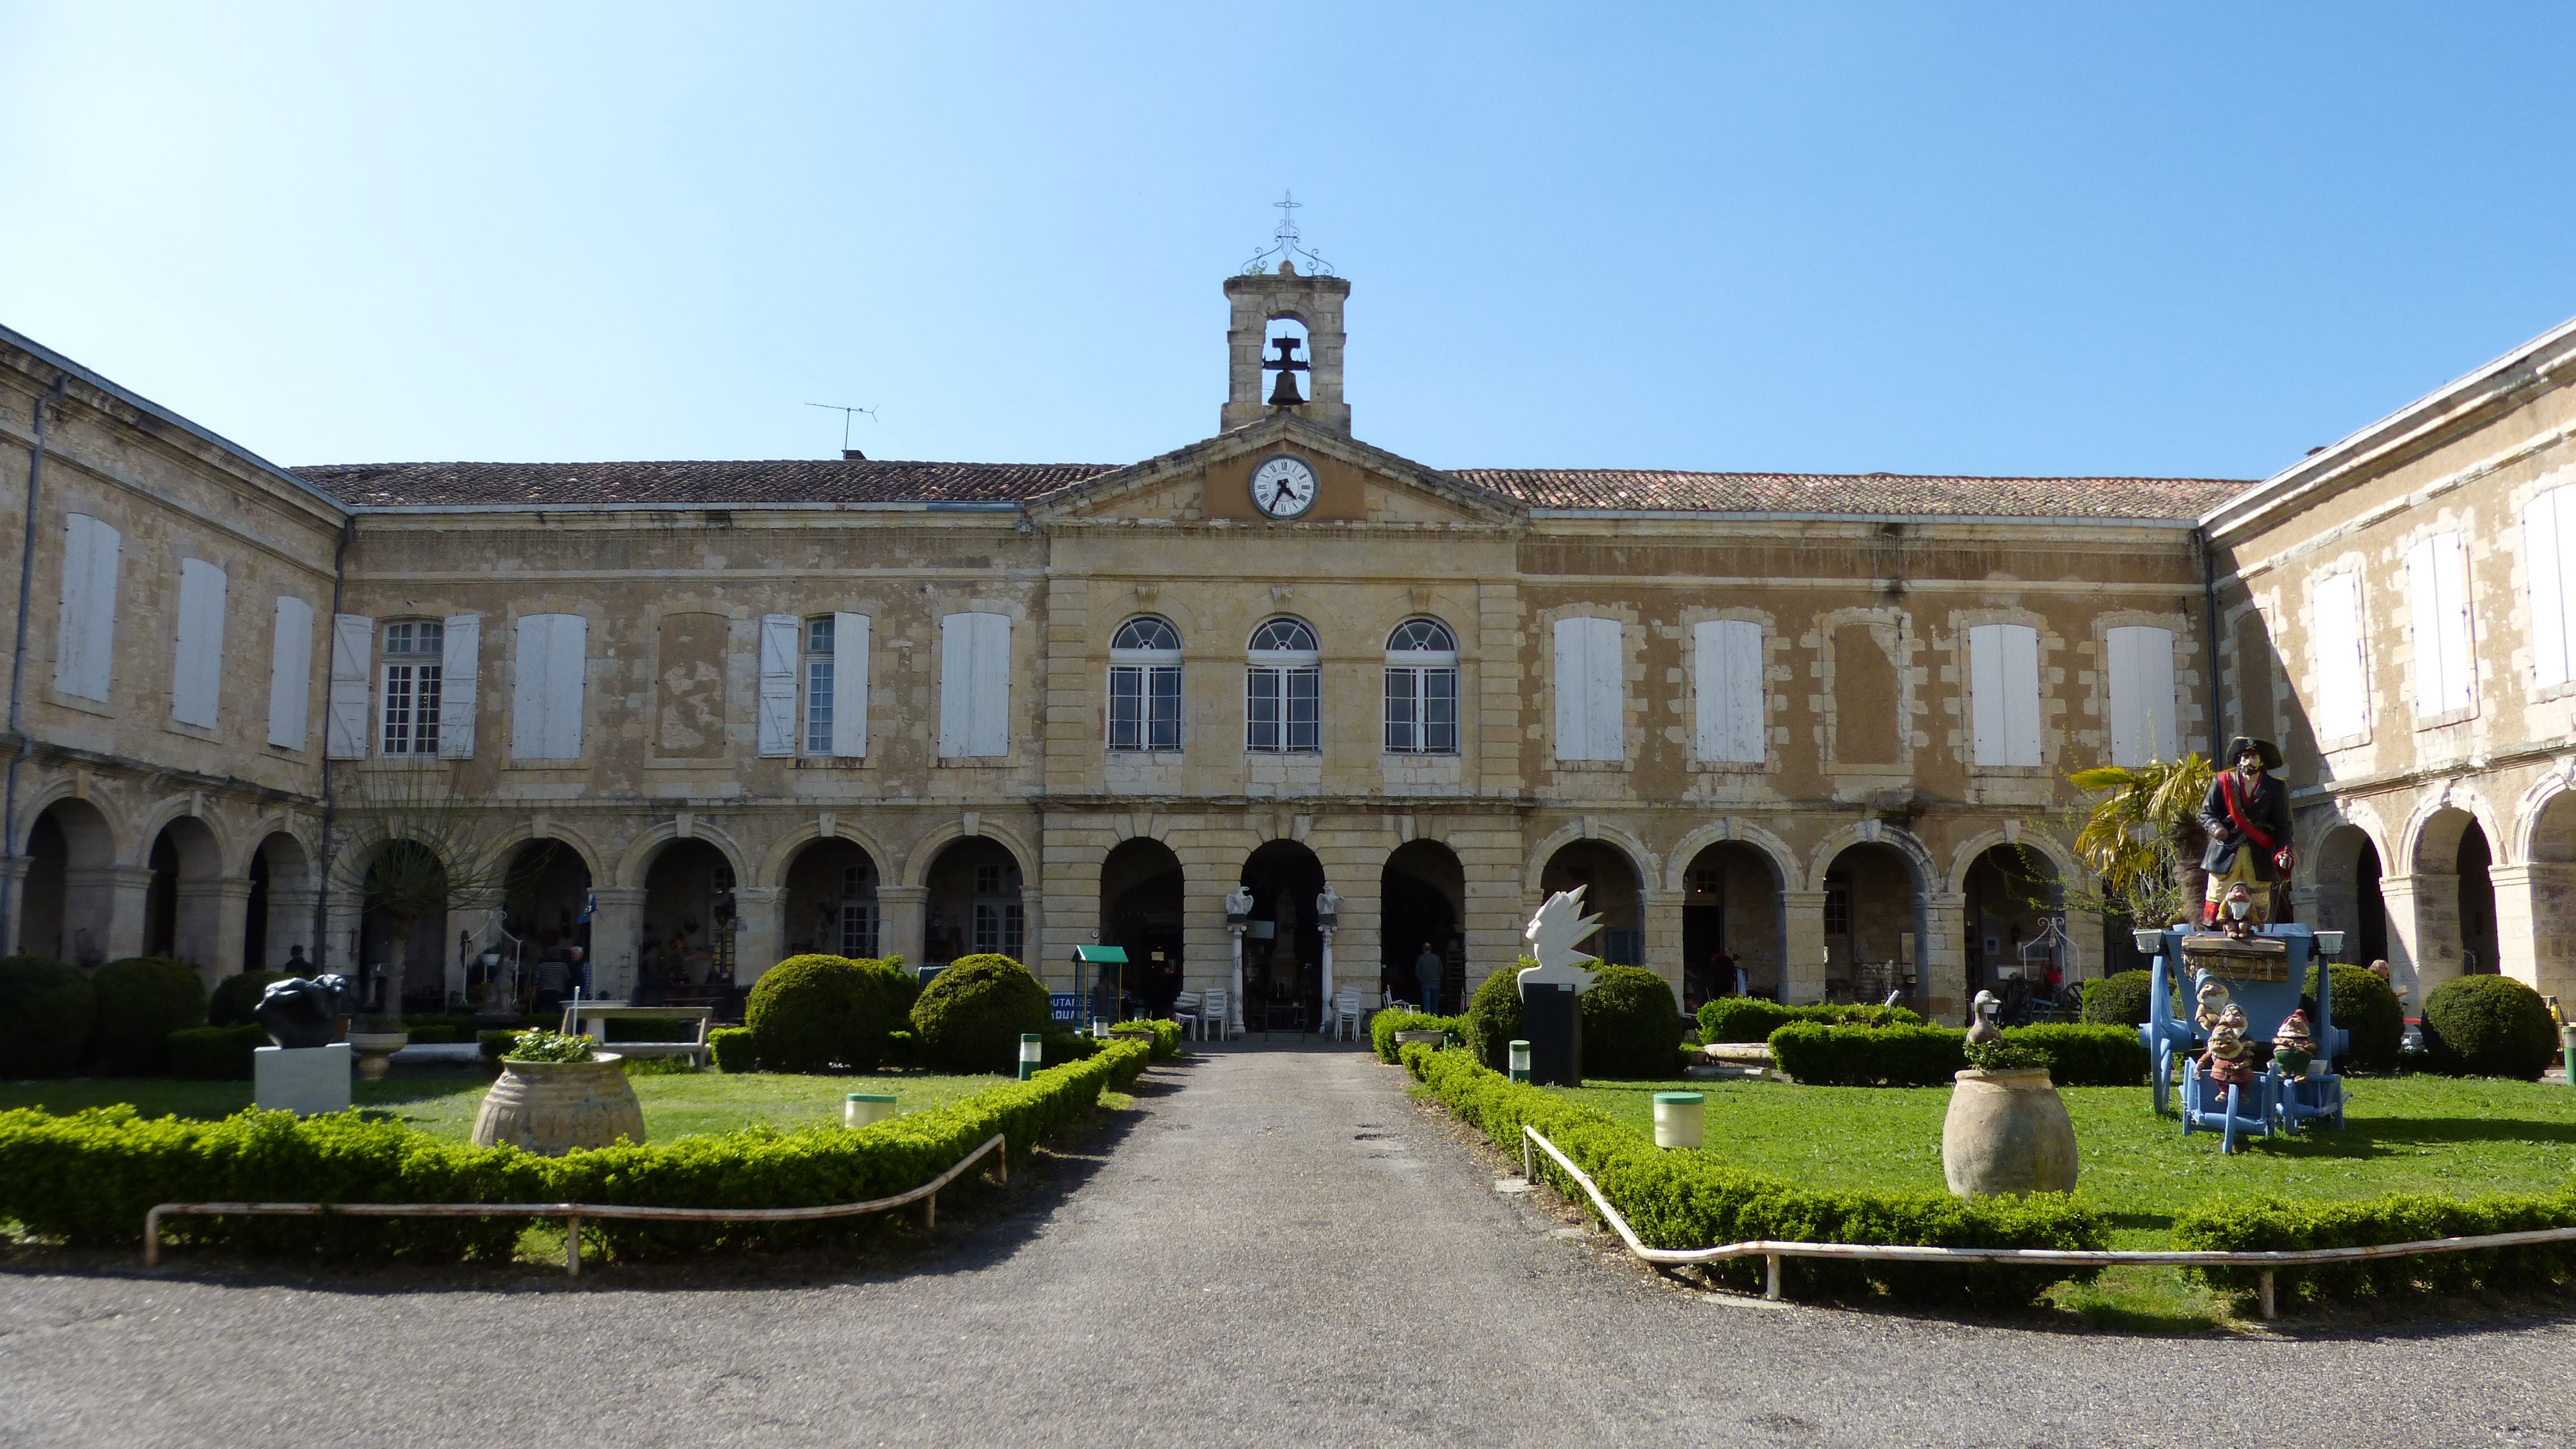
970	1016
2365	1007
1494	1016
46	1009
2489	1026
1632	1026
813	1013
237	996
2119	999
141	1000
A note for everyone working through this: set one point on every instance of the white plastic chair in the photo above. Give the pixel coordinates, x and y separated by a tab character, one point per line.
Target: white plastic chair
1212	1014
1346	1014
1185	1011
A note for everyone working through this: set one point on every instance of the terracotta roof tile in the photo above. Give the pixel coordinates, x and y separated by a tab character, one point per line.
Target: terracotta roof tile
1658	491
648	485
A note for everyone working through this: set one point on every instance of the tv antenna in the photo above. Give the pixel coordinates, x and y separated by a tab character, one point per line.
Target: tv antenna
846	413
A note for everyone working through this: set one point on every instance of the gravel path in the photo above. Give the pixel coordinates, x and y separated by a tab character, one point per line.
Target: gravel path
1278	1248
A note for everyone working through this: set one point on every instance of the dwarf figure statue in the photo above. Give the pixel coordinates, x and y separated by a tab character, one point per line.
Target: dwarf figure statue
2214	1003
2247	815
2236	914
2294	1045
2229	1060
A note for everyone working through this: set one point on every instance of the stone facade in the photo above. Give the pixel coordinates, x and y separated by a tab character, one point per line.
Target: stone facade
862	706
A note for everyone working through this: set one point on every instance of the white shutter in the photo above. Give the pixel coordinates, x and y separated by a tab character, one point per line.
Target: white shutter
2437	589
460	667
353	649
546	687
850	684
778	656
1727	664
974	685
2138	661
2334	640
2459	630
1985	695
1591	690
197	670
565	676
2544	561
290	673
1571	742
2021	694
2003	694
85	641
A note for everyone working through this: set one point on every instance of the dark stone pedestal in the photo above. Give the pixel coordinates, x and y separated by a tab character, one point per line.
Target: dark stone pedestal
1552	1021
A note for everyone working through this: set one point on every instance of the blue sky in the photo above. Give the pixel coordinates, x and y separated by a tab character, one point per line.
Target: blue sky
1989	239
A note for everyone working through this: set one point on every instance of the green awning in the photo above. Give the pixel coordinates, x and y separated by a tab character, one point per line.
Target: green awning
1100	955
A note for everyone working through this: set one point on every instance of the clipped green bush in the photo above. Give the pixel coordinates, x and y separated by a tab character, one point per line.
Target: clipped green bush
1631	1024
215	1053
2488	1026
1693	1200
1751	1019
2366	1007
2272	1224
1816	1055
733	1049
88	1178
141	1000
1494	1016
1165	1034
46	1009
2085	1055
1385	1024
237	995
494	1045
970	1016
813	1013
2123	998
445	1030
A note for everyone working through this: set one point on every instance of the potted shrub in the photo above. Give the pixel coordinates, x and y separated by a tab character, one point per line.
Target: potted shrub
556	1093
2007	1130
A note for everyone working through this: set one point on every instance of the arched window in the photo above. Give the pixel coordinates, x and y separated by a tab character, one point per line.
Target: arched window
413	658
1145	685
1283	690
1421	689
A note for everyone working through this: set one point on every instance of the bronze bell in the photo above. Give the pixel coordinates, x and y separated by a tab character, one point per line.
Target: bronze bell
1285	394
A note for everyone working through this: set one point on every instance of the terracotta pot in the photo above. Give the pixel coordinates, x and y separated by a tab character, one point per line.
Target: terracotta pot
550	1108
375	1051
2007	1132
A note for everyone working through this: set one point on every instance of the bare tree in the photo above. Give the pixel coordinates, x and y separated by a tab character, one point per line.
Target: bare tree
411	847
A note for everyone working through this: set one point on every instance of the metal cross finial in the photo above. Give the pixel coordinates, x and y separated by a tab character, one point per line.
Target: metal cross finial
1286	244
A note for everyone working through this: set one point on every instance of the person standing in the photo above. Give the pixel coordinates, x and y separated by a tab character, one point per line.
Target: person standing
1428	968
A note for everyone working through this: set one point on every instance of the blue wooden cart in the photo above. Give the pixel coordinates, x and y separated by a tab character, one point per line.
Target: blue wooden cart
2267	994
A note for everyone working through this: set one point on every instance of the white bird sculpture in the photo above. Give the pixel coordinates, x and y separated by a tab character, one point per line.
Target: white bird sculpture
1553	934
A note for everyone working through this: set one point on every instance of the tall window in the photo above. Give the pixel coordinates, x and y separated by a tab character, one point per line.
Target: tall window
2437	590
1421	689
1283	691
859	912
412	652
818	685
999	924
1145	686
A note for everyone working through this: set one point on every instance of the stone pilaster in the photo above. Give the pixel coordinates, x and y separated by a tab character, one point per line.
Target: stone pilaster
762	911
213	915
13	899
1941	958
1802	971
2423	933
2535	910
103	912
902	916
616	929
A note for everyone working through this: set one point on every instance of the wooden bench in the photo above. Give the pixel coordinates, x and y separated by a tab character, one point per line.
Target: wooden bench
599	1013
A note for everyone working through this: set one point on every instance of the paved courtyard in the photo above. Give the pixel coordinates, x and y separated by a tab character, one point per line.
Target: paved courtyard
1278	1248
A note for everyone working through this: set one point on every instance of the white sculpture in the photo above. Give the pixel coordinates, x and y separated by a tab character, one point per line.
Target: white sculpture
1238	902
1554	932
1328	905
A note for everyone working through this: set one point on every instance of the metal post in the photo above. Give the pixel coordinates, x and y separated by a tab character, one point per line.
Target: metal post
152	1238
2268	1312
572	1245
930	1212
1771	1276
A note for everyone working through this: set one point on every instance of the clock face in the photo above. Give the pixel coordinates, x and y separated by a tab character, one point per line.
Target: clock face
1283	487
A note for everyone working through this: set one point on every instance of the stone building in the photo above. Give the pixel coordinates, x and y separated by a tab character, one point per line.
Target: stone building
742	709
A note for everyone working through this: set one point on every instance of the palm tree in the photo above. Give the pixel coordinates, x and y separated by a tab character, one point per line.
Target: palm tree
2144	838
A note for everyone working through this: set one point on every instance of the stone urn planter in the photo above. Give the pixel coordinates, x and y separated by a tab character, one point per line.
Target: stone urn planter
2007	1132
376	1050
550	1108
1420	1038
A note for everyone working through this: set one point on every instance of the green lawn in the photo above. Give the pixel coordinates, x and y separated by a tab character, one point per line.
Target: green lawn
675	1105
2404	1134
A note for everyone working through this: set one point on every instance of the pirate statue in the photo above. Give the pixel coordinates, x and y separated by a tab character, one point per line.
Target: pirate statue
2247	815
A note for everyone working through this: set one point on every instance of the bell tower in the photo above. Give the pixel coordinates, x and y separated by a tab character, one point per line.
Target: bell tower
1264	374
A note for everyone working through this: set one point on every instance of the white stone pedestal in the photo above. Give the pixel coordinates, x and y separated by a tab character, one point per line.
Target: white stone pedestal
303	1080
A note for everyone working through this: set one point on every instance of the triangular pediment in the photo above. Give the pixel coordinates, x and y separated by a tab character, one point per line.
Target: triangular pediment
1209	481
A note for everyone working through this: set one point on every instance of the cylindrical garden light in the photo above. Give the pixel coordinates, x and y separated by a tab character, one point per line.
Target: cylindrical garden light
1677	1118
1032	1052
1100	1028
1520	1060
865	1107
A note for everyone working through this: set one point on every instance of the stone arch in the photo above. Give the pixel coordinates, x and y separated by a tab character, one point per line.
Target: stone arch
1784	861
64	907
782	854
2432	835
2350	855
216	838
304	832
926	850
638	858
2060	859
1872	832
2544	824
1640	859
98	833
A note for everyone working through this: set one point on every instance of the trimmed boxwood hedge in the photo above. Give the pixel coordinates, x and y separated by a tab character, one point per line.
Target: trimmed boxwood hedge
1494	1015
1930	1056
2489	1026
1631	1024
1752	1019
1384	1026
237	995
1165	1034
2123	998
2272	1224
733	1049
215	1053
1692	1200
813	1013
141	1000
2365	1007
971	1016
46	1009
87	1179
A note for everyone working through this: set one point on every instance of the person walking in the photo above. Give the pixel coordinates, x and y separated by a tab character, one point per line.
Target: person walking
1428	968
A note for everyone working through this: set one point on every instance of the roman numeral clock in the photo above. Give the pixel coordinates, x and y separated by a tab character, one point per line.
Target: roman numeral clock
1283	487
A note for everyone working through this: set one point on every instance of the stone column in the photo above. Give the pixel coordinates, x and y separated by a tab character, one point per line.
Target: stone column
290	924
760	938
105	909
1660	914
902	915
1234	996
13	899
1802	971
1032	936
2533	921
2423	933
616	928
1940	955
1324	1011
212	916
